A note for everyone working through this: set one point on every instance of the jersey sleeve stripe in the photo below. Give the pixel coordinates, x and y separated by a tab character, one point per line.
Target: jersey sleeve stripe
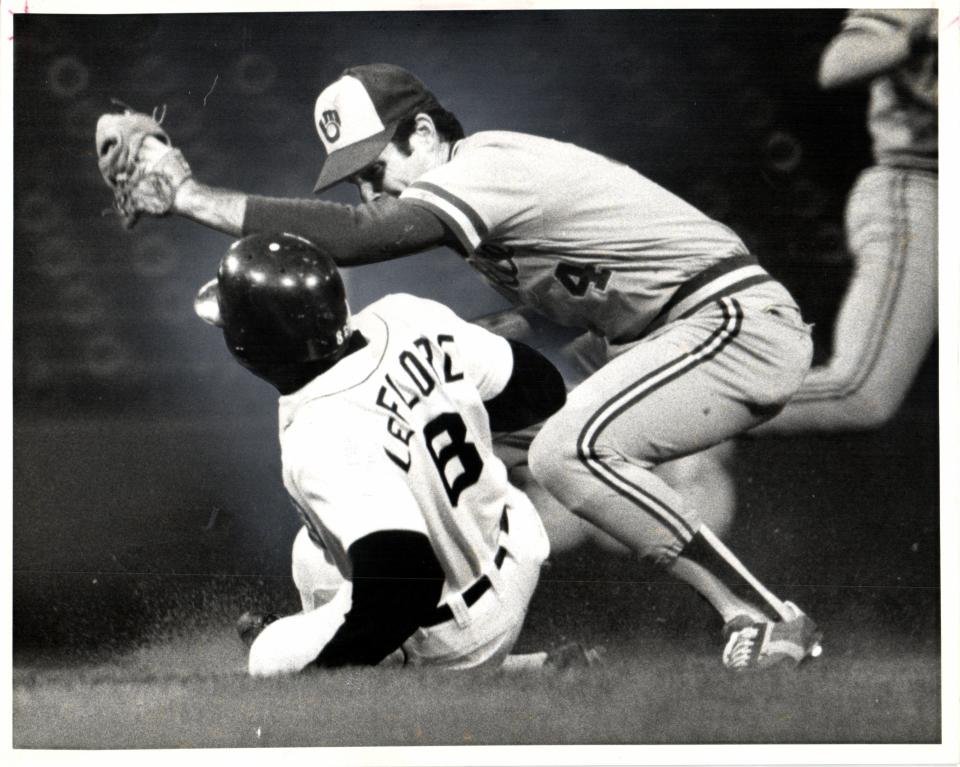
442	197
443	194
457	223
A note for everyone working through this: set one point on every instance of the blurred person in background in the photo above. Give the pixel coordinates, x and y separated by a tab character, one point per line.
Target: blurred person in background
888	318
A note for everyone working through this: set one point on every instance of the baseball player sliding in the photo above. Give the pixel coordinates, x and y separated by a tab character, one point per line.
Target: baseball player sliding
888	318
415	545
699	342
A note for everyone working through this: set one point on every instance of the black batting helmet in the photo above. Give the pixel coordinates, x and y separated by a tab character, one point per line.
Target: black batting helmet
280	302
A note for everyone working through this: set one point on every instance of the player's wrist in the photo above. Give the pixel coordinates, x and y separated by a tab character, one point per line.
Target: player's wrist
185	199
220	209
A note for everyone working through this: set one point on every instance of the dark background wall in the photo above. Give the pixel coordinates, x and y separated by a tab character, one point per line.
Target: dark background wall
139	446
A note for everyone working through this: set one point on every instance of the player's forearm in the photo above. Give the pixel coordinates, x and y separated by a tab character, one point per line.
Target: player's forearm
220	209
397	582
351	234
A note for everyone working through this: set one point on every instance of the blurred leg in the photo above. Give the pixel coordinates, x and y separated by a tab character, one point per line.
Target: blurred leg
565	530
888	318
705	481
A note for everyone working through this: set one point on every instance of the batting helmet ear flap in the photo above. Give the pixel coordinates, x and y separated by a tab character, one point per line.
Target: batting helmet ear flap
206	305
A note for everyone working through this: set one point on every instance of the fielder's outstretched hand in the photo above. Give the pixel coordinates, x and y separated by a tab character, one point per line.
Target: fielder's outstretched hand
139	164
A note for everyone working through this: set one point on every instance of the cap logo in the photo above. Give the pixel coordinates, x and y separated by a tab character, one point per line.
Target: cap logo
355	116
330	125
344	114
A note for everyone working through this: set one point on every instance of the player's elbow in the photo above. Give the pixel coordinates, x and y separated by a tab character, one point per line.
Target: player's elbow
856	58
836	70
534	392
828	77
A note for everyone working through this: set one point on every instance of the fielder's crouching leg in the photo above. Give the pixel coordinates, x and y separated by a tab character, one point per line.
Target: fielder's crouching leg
557	464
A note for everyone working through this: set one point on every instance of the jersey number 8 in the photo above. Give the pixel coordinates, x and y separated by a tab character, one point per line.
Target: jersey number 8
446	437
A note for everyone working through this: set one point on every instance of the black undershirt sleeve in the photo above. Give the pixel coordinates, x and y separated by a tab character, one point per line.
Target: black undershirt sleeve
397	582
351	234
535	391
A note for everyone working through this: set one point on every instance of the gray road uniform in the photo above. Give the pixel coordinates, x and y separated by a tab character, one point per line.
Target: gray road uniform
699	342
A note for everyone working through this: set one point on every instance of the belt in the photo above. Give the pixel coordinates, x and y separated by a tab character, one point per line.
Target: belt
475	590
728	276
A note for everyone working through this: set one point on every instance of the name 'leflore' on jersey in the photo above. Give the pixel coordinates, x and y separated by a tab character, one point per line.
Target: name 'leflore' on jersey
396	437
587	241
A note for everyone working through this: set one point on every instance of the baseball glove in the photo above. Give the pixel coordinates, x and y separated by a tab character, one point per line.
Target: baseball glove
139	164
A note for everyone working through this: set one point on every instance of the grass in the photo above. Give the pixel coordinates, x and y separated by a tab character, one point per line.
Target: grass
660	692
845	525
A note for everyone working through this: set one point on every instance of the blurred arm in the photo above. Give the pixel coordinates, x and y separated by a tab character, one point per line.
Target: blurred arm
872	42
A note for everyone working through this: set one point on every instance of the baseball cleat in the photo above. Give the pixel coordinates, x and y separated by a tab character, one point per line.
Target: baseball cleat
573	655
250	624
754	645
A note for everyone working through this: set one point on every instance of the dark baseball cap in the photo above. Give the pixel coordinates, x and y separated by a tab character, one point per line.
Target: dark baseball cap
358	114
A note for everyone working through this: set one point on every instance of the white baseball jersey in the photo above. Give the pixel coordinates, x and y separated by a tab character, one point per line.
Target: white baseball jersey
587	241
396	437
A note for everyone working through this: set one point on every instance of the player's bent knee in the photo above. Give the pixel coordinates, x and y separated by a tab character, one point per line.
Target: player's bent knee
290	644
871	410
269	656
867	408
552	459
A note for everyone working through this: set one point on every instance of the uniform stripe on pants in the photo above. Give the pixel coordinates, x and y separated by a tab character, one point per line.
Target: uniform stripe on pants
586	443
880	315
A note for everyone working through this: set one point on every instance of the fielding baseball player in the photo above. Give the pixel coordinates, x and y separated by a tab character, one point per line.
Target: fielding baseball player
888	318
417	547
704	479
699	342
